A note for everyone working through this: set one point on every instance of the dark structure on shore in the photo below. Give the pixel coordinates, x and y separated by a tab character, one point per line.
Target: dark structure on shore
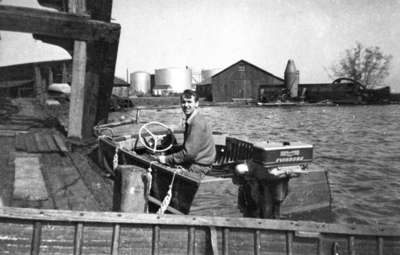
241	81
246	82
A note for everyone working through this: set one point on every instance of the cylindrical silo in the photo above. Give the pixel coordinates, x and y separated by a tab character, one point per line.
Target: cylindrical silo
292	79
178	79
206	74
140	82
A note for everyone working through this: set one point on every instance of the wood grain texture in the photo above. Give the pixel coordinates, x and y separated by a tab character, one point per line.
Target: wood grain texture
62	25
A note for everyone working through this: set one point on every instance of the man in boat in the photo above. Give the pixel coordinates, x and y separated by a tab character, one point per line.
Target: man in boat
198	151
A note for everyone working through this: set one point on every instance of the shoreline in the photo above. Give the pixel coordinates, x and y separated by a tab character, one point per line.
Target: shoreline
173	102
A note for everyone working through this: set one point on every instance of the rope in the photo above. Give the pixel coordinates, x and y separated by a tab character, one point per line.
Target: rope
167	198
148	177
115	159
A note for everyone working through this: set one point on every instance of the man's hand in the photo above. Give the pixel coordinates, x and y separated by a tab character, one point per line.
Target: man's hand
162	159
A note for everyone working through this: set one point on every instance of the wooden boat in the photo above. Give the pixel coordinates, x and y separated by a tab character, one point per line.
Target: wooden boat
309	195
35	231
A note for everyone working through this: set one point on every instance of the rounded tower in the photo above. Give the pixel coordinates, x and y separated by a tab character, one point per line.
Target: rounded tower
291	78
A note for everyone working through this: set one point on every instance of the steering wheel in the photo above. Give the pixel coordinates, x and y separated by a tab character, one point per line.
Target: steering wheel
153	143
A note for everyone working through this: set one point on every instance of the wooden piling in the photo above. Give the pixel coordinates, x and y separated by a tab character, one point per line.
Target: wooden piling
132	191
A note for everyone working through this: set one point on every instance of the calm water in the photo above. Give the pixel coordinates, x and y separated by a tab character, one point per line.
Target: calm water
358	145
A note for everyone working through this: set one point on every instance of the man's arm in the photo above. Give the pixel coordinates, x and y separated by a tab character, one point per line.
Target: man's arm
191	147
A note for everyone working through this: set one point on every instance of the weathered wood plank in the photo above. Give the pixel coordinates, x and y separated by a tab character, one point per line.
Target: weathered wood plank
13	127
105	78
29	183
66	187
38	82
156	240
351	245
143	237
6	180
16	238
50	142
225	241
102	189
9	133
78	239
214	241
115	240
36	239
20	142
30	143
77	98
58	24
58	238
191	241
173	240
100	239
257	242
60	143
41	143
190	220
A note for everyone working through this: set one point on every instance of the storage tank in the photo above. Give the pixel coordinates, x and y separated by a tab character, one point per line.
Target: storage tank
292	79
206	74
140	82
177	78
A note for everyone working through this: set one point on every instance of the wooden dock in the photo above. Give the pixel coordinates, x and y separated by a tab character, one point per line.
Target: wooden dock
36	156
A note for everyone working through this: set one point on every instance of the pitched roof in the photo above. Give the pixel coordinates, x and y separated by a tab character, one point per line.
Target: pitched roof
119	81
248	63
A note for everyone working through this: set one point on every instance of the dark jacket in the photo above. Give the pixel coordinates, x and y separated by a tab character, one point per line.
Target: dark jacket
198	144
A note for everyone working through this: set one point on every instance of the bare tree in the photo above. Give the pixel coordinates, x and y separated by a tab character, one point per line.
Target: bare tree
367	65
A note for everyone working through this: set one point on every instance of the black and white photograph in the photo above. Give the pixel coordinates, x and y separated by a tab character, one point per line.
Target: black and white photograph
200	127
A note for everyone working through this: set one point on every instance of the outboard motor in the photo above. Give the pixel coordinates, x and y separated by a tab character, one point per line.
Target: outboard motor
264	179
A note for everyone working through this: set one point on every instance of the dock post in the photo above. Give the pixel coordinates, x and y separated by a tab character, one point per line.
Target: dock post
132	189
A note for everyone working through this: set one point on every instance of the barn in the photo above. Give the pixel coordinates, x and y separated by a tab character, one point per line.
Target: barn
242	81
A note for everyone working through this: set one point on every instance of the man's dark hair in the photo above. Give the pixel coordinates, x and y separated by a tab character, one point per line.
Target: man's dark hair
188	93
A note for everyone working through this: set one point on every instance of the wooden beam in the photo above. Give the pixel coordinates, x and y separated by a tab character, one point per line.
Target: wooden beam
38	82
49	215
58	24
99	9
67	44
50	75
108	59
64	73
214	240
77	98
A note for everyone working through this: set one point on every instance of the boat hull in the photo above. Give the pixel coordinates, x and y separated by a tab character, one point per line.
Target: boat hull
309	196
184	187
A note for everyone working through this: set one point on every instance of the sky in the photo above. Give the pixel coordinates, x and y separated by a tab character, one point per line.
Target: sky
208	34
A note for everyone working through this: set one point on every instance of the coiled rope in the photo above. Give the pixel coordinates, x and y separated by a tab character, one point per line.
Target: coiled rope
115	159
167	199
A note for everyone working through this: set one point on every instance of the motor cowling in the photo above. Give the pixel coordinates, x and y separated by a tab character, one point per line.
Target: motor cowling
263	180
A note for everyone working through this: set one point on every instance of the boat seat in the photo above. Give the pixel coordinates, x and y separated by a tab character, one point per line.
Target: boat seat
234	151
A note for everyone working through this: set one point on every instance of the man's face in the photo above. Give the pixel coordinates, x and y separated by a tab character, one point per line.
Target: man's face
188	105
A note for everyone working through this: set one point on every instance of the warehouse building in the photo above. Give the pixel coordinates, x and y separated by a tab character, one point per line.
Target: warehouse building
241	81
